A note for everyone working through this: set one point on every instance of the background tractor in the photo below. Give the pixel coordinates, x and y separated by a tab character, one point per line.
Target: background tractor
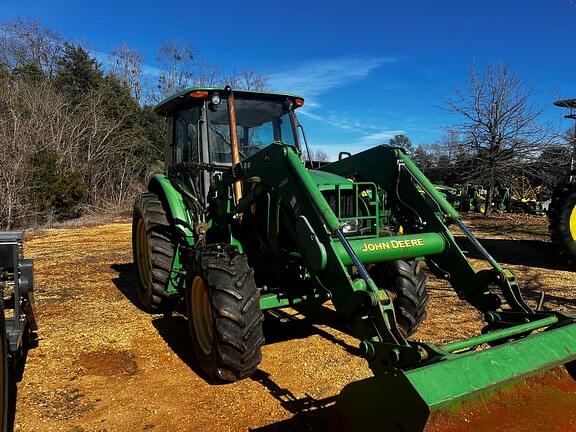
238	225
562	209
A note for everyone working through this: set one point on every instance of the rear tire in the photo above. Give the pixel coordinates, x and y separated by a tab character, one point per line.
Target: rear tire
562	219
153	250
407	281
224	316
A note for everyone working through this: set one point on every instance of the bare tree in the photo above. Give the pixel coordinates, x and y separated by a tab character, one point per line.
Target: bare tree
180	67
451	145
88	147
500	126
35	118
208	75
177	62
126	65
24	42
246	79
315	155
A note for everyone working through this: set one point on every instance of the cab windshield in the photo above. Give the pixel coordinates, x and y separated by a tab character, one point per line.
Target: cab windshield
258	124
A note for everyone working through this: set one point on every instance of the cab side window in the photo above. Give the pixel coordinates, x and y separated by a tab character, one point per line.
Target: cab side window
186	136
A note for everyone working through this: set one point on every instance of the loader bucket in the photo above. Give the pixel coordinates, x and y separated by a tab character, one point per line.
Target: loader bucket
525	385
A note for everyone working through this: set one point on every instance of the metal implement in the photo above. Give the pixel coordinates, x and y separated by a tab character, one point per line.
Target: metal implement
354	232
459	385
17	320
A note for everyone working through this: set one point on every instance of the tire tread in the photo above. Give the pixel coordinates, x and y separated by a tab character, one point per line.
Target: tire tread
151	209
234	297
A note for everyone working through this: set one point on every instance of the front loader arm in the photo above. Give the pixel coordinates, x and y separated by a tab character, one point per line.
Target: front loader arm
368	310
429	212
454	374
277	170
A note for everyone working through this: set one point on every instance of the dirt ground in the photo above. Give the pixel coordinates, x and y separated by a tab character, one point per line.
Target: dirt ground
104	365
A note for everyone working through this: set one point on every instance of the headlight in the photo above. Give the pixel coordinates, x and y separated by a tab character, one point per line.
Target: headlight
351	227
215	99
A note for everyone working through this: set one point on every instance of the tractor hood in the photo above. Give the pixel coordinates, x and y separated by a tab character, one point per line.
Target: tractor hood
325	179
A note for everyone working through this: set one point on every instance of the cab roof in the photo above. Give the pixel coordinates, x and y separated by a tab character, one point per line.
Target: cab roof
181	99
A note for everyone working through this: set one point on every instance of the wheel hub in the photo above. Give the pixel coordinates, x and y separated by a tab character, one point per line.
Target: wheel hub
142	250
202	315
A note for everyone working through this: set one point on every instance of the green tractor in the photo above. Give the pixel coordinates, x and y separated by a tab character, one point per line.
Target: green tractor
239	225
562	208
472	199
562	219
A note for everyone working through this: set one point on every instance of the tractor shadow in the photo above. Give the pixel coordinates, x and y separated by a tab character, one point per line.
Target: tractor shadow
282	325
174	330
127	282
278	326
315	421
171	327
534	285
310	414
530	253
533	254
551	302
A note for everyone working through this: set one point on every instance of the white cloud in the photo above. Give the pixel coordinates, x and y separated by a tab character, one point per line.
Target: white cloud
333	120
313	78
381	137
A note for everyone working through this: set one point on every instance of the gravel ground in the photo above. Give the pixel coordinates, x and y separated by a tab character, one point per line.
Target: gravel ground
103	364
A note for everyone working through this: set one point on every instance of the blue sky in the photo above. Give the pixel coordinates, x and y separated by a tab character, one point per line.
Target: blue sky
367	69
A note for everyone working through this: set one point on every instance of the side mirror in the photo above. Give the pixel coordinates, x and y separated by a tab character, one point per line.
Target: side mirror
343	155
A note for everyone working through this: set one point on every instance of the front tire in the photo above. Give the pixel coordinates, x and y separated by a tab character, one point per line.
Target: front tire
153	250
224	316
562	219
407	281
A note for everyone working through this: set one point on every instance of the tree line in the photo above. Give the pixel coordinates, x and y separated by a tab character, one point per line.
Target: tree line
499	140
78	135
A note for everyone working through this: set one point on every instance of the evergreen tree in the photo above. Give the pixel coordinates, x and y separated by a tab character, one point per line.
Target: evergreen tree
54	194
78	73
154	128
117	101
29	72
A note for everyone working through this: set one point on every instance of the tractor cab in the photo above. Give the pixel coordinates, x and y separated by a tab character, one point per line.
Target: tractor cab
199	124
210	130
